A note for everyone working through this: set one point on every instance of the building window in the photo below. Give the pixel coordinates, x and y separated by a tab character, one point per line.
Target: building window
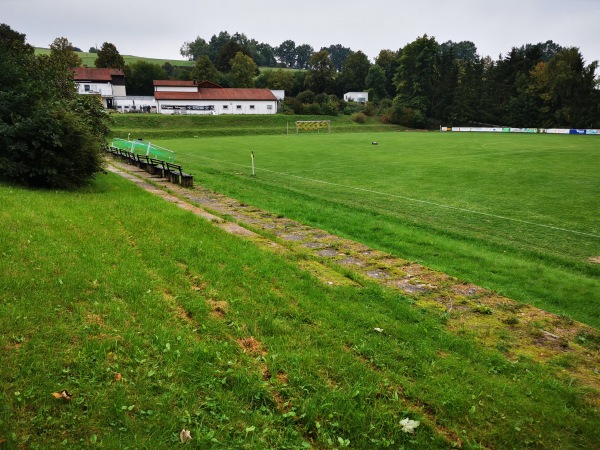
269	106
225	107
251	106
238	106
86	87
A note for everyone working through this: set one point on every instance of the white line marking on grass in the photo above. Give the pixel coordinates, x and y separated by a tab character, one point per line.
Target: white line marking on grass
416	200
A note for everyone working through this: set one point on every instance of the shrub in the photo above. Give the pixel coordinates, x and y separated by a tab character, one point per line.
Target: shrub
306	97
359	117
49	135
385	118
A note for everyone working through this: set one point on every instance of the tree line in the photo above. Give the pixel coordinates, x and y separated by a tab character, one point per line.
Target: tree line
422	84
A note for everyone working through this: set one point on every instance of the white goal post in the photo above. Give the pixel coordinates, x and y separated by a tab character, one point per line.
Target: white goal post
312	125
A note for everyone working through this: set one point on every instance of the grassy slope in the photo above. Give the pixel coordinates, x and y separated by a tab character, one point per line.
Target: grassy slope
534	179
111	280
89	59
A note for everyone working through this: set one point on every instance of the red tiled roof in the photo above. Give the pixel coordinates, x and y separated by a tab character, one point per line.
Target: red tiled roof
209	84
177	83
218	94
93	74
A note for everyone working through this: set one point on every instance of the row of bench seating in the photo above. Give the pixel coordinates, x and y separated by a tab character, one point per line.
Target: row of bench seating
173	172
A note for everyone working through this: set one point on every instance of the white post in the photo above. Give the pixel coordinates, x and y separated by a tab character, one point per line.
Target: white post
148	149
252	154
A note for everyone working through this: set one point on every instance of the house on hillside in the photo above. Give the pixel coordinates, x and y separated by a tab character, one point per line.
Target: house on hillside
188	97
107	83
359	97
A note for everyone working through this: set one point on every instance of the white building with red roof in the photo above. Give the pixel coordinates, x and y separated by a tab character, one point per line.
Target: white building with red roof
106	83
189	97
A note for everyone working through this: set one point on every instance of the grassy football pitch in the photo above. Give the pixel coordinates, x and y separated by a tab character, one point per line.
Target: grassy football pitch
514	213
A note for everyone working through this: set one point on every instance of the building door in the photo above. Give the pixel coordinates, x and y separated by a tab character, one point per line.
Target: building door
109	103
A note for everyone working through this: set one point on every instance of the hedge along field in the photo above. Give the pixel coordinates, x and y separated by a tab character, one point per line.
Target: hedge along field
154	321
513	213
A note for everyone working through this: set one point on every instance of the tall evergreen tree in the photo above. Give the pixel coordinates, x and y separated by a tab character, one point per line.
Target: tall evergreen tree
416	75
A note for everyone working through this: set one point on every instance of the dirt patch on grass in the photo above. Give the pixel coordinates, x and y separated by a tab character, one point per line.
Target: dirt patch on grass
594	259
251	346
218	309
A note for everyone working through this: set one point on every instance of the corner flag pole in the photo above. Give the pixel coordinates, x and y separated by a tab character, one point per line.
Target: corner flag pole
252	154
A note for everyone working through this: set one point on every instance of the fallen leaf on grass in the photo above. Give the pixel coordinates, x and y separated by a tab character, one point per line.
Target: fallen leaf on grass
64	394
408	426
118	377
185	436
379	330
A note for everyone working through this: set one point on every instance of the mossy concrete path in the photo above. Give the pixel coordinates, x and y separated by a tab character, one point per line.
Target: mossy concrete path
516	329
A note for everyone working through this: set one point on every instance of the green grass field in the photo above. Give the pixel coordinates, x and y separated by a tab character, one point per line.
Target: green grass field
155	321
514	213
89	59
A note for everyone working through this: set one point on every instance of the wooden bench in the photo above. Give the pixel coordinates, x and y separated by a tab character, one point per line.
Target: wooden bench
143	162
178	176
124	155
157	167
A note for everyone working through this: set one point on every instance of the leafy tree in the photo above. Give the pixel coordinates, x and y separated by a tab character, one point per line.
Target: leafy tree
464	50
140	75
227	53
109	57
216	43
50	137
338	55
388	61
307	96
354	72
194	49
572	89
204	69
62	52
286	53
321	74
62	56
264	55
303	54
243	70
93	50
276	79
299	81
376	82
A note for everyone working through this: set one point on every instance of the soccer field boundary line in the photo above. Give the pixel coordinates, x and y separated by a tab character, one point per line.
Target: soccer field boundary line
416	200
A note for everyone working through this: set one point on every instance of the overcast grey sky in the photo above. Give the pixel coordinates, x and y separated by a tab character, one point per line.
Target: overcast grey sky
157	29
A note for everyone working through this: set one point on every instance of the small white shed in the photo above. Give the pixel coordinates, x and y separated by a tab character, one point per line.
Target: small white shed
360	97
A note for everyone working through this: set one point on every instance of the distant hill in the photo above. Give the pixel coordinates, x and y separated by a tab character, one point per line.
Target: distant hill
90	58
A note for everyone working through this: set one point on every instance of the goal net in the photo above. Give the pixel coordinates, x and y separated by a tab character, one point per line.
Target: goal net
313	125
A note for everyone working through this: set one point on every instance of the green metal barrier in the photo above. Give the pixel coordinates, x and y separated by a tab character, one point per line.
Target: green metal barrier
144	148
